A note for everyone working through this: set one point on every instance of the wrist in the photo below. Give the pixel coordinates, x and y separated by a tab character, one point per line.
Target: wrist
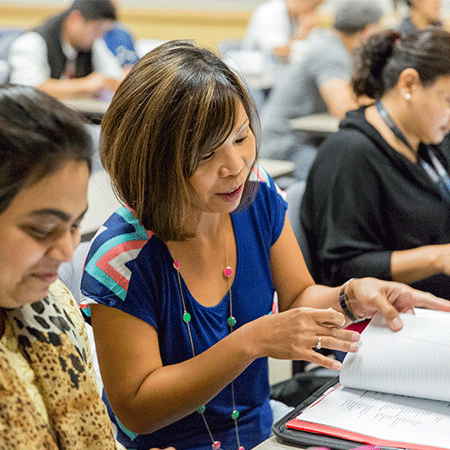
436	258
250	339
344	300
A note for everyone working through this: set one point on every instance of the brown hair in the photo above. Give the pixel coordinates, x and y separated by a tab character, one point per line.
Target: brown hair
379	62
178	103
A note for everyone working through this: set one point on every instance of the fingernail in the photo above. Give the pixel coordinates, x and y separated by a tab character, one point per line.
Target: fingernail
336	365
397	323
356	337
354	347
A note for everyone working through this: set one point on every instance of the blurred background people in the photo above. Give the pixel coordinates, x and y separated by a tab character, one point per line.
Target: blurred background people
120	42
60	56
276	24
319	83
377	200
422	13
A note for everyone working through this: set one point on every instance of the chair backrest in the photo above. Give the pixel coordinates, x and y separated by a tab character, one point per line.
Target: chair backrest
294	195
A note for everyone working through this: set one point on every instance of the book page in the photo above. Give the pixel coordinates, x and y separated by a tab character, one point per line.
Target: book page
414	361
378	419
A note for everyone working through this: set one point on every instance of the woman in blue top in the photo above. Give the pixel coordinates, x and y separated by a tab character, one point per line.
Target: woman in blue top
180	282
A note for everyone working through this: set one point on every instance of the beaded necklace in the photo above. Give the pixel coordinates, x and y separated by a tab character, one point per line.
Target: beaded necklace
231	322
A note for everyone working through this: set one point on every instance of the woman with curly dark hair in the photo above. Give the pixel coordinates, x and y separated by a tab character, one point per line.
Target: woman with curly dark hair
377	202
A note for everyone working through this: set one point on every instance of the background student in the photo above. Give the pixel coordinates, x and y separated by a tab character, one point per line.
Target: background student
422	14
180	282
61	56
377	200
276	24
318	83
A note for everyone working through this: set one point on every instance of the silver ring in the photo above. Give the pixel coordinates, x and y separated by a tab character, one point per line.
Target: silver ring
319	343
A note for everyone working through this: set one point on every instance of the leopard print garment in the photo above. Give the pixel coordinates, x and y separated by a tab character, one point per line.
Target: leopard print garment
52	346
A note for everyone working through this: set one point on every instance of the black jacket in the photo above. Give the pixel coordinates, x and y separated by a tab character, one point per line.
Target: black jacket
363	200
50	30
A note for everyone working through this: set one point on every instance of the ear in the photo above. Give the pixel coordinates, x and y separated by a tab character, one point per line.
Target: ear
75	16
408	82
366	32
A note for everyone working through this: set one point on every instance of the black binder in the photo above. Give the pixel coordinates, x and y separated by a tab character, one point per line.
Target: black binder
308	439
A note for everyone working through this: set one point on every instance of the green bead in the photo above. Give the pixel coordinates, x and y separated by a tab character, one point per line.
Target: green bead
202	409
235	415
187	317
231	321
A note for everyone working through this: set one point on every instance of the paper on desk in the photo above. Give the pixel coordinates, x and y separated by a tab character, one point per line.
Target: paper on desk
414	361
379	419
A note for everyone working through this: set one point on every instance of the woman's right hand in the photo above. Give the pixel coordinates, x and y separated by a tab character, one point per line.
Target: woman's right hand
293	334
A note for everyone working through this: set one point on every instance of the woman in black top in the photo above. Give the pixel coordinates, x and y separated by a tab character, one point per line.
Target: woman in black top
377	201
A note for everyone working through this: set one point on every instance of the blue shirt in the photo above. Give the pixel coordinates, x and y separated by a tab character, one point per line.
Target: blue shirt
131	269
121	44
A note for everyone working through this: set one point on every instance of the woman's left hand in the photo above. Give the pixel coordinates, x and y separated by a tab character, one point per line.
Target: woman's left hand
366	296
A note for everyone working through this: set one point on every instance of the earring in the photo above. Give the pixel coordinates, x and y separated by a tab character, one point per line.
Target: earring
407	96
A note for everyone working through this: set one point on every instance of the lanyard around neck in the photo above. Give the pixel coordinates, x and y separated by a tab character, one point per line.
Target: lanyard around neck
391	124
435	171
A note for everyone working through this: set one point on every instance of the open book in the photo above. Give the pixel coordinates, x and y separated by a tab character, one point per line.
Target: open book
395	391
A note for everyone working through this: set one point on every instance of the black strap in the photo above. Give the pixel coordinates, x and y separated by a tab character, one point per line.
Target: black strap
391	124
435	170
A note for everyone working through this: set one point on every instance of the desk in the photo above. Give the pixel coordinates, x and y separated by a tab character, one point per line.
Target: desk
323	124
90	107
277	168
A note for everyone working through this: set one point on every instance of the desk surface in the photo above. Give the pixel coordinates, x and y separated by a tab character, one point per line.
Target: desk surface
321	123
88	106
277	168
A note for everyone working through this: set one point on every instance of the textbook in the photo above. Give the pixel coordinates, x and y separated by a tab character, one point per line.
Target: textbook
394	392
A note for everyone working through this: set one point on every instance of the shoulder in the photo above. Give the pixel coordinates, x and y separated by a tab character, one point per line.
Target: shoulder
264	182
268	203
28	41
271	14
326	47
114	253
121	233
355	144
60	294
271	7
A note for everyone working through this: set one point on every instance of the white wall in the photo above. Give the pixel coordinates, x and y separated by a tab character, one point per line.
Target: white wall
230	5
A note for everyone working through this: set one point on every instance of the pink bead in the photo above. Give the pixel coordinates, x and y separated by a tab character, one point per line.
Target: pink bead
228	272
216	445
176	264
241	448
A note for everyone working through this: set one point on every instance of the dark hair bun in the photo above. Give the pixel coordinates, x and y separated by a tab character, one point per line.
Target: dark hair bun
370	60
